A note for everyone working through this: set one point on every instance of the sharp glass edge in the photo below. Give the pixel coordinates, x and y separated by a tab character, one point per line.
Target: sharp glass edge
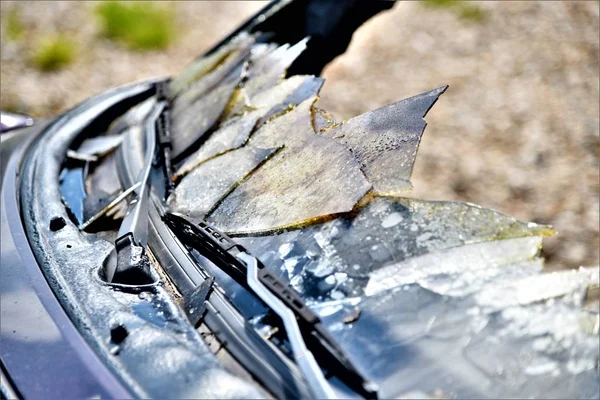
233	258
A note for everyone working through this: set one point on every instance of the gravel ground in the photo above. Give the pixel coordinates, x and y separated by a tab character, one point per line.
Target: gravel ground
518	130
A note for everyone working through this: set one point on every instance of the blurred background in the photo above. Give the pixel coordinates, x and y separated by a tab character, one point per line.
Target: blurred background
518	130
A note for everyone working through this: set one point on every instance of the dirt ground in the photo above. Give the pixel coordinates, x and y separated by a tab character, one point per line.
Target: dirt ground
518	130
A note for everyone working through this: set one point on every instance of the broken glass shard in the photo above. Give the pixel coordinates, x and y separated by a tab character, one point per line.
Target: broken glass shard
269	68
518	292
228	137
290	129
191	121
281	97
458	270
315	180
322	120
381	234
204	186
212	79
538	350
385	141
203	66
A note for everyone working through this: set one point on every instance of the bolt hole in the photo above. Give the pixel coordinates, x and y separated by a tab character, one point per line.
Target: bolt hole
57	223
69	246
118	334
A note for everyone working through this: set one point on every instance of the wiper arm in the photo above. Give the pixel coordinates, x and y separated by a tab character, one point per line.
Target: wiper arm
307	336
129	258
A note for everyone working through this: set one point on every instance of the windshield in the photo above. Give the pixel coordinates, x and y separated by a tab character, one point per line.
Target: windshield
425	298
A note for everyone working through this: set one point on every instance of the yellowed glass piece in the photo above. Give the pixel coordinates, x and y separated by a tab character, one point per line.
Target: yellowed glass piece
289	129
322	120
189	124
315	180
385	141
202	188
228	137
205	65
270	69
271	98
201	87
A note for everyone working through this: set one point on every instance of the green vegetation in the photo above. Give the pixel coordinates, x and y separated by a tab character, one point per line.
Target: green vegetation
53	53
140	26
13	24
462	9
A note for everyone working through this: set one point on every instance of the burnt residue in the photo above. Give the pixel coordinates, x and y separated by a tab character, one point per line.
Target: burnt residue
385	141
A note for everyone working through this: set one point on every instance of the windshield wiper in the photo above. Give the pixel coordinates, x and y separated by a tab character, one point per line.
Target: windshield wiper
308	338
129	260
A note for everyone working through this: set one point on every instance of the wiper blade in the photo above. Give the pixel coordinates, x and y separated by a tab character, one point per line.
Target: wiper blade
306	328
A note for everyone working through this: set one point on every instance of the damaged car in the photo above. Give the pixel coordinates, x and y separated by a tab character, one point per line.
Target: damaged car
217	234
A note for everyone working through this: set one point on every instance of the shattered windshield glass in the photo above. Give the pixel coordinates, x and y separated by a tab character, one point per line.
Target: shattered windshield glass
428	298
438	298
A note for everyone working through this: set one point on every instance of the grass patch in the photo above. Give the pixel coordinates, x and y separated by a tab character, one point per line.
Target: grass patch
462	9
141	26
53	53
14	27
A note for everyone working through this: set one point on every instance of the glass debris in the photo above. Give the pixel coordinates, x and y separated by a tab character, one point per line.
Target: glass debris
368	247
532	350
269	68
291	129
457	271
427	297
204	65
191	121
314	180
228	137
322	120
203	187
279	98
211	80
385	141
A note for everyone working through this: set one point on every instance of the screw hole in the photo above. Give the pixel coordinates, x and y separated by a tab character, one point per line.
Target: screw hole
57	223
68	246
118	334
